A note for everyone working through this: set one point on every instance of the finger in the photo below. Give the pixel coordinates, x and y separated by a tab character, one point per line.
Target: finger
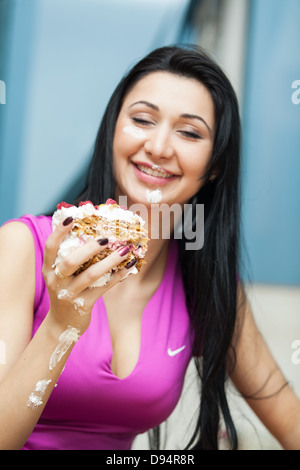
121	275
80	255
55	239
93	294
97	270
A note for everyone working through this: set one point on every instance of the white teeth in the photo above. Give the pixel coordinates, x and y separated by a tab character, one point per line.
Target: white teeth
154	172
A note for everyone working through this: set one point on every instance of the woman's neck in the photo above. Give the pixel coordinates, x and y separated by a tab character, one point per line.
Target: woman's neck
160	222
156	259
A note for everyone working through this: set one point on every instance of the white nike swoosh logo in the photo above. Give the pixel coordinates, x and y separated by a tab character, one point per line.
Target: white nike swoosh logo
176	351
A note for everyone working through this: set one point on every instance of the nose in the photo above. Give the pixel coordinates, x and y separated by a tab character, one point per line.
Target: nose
159	144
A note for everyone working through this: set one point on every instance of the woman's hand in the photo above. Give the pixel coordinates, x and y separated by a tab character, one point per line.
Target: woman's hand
71	299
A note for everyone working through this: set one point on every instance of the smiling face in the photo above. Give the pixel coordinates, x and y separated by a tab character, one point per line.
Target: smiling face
163	139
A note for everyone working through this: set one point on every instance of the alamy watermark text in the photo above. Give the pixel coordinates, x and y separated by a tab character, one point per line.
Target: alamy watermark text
2	92
187	220
296	354
296	93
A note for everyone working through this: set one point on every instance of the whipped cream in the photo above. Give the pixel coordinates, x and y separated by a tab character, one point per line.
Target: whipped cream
108	211
154	196
69	244
102	281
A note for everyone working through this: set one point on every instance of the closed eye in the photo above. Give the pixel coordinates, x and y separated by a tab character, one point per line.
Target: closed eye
141	121
190	135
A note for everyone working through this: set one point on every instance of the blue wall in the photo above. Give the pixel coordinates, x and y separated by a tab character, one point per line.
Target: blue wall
271	126
62	60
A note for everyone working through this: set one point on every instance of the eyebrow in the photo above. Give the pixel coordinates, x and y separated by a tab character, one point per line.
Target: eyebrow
185	115
147	103
195	116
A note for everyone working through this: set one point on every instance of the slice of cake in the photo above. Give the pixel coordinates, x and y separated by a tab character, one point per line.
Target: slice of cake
120	226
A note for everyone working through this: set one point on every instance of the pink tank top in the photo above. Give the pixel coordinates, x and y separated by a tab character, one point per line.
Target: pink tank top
91	408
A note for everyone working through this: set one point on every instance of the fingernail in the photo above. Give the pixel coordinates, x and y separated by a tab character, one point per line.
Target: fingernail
123	251
131	263
103	241
67	221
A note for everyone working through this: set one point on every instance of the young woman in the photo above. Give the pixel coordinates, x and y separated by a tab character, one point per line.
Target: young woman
171	125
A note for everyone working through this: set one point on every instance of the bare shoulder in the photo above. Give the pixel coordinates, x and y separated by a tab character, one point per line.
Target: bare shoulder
14	230
16	251
17	290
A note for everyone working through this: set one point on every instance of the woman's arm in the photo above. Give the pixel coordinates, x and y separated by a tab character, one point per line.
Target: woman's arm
259	379
25	362
26	379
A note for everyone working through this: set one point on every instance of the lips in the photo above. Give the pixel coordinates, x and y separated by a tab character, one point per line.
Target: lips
153	174
154	171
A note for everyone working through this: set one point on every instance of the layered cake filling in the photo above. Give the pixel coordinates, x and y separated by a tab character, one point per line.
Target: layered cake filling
120	226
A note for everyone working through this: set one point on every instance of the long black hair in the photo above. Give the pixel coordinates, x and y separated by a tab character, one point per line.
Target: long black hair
209	274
